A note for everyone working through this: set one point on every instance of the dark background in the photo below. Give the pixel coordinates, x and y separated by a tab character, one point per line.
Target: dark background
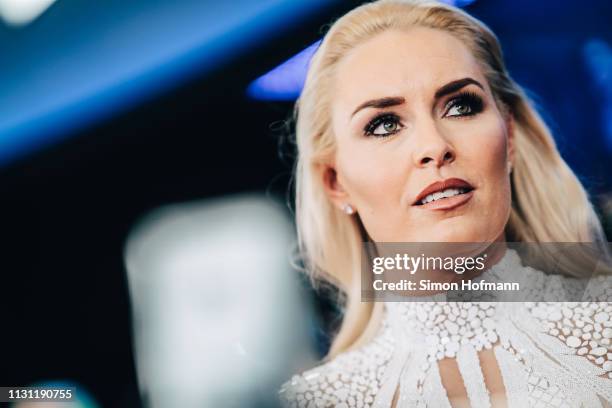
67	207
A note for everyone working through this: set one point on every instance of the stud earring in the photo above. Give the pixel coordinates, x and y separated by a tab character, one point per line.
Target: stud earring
348	209
509	167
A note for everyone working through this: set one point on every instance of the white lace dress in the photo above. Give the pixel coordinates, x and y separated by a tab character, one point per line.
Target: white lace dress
550	354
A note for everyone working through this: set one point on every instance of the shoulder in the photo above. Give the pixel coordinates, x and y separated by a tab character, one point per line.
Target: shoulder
582	329
599	289
351	379
538	286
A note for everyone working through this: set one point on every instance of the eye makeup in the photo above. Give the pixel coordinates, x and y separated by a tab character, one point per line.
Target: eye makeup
466	99
462	104
381	121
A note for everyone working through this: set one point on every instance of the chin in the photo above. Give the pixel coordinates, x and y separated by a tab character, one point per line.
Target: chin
459	234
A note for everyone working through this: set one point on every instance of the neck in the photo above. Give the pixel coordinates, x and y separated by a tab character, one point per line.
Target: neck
493	254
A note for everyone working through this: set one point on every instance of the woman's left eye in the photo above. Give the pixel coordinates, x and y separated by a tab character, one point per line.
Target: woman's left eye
466	104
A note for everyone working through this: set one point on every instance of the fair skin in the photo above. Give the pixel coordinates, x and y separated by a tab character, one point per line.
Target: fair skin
381	166
380	177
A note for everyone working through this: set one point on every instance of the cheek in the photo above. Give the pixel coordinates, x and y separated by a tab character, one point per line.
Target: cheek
488	159
365	173
490	156
377	175
485	152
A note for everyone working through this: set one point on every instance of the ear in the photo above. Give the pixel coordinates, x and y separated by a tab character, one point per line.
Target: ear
333	188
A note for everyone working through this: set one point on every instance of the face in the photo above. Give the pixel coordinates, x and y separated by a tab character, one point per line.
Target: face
422	149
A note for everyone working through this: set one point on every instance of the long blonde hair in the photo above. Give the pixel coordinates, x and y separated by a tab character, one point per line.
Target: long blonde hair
549	203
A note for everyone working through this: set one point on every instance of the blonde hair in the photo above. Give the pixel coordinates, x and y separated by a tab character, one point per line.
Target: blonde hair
549	203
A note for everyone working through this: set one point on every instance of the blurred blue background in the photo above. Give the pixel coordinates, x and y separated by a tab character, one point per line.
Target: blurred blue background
111	109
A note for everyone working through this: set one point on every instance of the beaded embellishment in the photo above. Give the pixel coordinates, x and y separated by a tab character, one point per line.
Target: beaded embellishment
550	354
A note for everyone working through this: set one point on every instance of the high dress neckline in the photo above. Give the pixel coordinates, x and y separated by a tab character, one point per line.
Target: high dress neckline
428	331
433	329
549	354
444	326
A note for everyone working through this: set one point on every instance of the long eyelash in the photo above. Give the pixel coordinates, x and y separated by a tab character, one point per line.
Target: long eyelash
380	118
469	98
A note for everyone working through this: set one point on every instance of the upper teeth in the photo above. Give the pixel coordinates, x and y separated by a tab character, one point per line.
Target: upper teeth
449	192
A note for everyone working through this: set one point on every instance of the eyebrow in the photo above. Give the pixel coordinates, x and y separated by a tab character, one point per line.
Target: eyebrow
455	86
449	88
380	103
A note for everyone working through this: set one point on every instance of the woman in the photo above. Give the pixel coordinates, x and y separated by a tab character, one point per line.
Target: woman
409	129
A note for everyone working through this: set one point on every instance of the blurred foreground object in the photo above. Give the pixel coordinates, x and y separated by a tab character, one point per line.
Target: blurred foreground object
216	306
20	12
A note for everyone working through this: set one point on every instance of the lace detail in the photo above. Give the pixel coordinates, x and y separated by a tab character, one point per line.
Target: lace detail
350	380
513	375
586	328
469	367
446	326
550	354
543	394
434	389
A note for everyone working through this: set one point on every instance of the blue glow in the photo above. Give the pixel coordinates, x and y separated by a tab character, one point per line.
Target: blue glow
286	81
64	72
82	398
458	3
598	57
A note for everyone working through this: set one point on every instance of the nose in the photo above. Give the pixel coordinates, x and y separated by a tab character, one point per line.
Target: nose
432	147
